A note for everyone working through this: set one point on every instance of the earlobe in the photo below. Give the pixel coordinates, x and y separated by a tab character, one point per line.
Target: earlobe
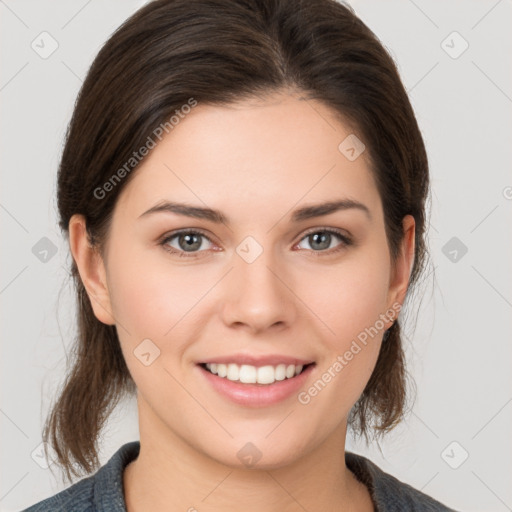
91	268
404	264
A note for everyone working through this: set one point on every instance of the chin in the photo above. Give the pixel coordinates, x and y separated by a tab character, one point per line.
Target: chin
260	454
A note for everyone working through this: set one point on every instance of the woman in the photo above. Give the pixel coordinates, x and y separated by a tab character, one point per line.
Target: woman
243	186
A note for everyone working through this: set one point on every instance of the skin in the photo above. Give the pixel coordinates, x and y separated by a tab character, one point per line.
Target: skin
256	161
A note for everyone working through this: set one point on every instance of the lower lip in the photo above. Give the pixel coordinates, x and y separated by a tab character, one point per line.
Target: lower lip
257	395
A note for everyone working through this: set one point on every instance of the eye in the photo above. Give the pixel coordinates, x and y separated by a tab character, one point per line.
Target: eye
321	239
187	243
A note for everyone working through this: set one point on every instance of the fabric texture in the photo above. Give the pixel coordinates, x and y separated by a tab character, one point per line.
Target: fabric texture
103	491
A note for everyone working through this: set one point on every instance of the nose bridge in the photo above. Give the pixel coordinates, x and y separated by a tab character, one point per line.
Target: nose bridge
257	296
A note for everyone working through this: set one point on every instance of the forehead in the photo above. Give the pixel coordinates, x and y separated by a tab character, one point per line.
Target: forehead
252	157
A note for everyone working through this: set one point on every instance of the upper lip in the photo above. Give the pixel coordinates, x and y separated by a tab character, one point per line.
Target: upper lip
257	360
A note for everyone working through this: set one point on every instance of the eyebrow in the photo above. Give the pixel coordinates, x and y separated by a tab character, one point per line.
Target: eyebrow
301	214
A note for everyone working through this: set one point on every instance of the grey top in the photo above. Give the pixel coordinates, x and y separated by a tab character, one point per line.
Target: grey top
103	491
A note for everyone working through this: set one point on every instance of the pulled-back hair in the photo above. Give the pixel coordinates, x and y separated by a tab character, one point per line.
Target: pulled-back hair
219	52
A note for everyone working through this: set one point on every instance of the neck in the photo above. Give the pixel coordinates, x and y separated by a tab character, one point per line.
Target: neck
169	474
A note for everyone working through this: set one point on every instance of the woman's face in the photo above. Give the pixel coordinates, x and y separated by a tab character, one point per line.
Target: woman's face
263	283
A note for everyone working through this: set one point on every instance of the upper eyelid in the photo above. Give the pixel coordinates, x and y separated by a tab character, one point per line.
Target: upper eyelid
198	231
336	231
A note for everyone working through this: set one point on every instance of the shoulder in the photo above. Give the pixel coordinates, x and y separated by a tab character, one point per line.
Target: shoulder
101	491
78	497
389	493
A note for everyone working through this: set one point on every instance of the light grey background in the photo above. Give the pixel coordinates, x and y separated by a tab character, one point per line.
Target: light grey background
460	352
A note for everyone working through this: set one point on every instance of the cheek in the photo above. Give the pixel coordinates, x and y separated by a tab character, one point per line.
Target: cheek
154	301
155	298
151	294
348	297
349	300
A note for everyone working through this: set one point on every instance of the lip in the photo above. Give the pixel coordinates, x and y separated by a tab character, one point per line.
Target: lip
253	360
256	395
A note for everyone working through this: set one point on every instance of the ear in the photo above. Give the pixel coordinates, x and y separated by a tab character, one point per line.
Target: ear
401	272
91	268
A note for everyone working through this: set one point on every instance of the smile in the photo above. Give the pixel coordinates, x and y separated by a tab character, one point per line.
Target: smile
249	374
256	386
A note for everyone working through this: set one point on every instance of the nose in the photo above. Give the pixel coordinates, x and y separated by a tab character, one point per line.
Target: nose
258	295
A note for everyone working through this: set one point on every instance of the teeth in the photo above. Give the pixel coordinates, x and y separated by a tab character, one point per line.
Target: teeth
249	374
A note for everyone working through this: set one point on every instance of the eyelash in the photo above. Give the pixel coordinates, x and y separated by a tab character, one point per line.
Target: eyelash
346	241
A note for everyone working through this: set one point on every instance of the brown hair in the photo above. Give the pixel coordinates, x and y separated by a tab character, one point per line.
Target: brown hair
217	52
